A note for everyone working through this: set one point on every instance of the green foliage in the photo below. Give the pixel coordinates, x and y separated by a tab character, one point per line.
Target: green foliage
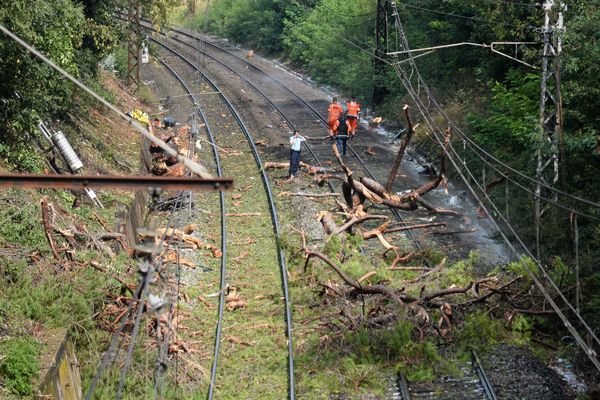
23	226
479	331
256	23
356	266
31	90
396	344
333	246
354	241
18	364
591	307
21	156
460	273
524	267
315	39
521	328
509	127
157	10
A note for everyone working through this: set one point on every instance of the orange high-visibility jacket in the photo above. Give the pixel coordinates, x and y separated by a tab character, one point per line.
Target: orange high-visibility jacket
348	124
335	110
353	108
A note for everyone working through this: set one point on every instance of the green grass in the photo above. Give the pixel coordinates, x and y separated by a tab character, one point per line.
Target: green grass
19	364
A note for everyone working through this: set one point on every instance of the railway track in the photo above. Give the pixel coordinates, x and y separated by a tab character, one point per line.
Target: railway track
224	115
301	115
297	113
472	384
167	287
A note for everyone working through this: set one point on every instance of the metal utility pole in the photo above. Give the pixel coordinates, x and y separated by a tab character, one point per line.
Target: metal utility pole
134	47
381	50
550	119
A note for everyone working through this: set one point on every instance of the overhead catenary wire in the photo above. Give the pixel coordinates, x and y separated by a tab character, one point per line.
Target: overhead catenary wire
498	161
589	351
190	164
174	306
476	19
156	264
485	154
512	3
532	192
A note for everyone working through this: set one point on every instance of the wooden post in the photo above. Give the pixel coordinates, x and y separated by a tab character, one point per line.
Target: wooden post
410	129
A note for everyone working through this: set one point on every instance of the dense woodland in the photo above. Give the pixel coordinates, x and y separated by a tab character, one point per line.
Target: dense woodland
495	100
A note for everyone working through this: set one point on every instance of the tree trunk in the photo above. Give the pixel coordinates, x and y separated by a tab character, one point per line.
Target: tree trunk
409	132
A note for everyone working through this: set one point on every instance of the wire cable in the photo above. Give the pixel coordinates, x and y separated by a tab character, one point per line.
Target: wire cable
456	15
589	352
192	165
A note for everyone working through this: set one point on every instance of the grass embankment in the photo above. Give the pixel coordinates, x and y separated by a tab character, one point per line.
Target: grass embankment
40	291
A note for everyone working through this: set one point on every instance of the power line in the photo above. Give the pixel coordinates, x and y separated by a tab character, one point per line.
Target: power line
487	154
490	156
431	122
512	3
190	164
457	15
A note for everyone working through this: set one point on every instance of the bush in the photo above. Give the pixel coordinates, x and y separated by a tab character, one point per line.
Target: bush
19	364
480	331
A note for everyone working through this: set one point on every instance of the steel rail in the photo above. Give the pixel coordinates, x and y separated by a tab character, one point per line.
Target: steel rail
40	181
306	104
223	272
485	382
403	387
223	280
273	211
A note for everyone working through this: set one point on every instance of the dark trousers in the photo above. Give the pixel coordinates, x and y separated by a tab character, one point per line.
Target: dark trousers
341	144
294	161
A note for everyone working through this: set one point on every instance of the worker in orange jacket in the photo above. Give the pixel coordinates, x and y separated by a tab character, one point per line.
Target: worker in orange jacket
342	130
353	109
335	110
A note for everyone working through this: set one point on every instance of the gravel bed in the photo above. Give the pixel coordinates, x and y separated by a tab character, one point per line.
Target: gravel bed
515	373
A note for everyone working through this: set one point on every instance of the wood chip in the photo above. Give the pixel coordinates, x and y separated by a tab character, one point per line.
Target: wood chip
241	257
237	340
207	303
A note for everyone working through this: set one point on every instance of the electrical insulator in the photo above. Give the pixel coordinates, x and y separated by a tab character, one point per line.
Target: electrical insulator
65	149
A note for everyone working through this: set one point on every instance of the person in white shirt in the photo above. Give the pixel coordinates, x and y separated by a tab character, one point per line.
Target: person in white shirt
296	145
